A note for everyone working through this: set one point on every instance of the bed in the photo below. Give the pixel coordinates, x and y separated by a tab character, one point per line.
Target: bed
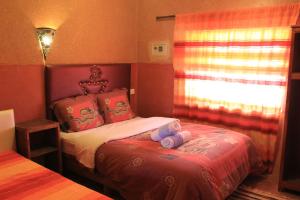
21	178
210	166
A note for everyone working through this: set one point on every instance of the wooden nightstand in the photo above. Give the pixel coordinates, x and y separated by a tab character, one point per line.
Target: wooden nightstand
39	140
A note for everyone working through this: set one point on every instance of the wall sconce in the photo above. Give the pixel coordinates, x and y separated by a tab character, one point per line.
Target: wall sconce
45	36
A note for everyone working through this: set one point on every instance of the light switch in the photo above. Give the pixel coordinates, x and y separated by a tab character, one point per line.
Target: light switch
160	49
132	91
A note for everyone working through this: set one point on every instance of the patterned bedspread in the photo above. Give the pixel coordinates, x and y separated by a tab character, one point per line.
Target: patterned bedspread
21	178
209	167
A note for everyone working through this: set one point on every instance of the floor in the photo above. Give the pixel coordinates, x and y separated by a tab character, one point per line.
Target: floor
269	183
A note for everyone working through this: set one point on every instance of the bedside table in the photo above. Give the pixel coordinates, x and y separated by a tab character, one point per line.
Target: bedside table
39	140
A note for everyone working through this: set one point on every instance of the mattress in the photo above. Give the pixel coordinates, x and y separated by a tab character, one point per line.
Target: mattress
70	140
208	167
21	178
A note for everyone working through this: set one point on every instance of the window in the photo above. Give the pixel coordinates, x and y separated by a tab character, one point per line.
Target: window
231	67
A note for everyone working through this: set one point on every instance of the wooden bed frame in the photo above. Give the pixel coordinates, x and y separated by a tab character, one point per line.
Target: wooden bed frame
64	81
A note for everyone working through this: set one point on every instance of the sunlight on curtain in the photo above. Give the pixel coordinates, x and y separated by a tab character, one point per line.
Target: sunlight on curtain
231	67
236	72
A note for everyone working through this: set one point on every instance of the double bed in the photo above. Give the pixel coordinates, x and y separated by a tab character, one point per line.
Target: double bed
209	166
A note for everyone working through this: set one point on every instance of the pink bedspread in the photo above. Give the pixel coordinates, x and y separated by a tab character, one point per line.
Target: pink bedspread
22	179
210	166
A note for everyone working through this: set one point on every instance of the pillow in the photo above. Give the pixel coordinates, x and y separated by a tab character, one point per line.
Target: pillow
115	106
78	113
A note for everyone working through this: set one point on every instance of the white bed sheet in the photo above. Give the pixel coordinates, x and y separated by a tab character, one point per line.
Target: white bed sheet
84	144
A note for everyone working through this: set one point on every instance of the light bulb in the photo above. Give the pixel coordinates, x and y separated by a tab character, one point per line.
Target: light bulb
46	40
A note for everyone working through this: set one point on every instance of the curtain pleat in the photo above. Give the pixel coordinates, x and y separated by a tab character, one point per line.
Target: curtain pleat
231	68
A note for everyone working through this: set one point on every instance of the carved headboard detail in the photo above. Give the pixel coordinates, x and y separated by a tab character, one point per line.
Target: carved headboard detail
64	81
94	83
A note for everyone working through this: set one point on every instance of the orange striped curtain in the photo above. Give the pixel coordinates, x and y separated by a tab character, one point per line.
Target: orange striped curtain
231	67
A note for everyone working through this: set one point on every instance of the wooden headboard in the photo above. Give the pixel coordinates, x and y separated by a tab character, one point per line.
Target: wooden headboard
7	130
64	81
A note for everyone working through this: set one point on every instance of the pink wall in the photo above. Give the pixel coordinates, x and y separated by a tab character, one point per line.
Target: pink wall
95	32
155	89
22	88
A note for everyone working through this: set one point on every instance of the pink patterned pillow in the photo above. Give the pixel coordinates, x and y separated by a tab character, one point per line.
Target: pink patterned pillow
77	114
115	106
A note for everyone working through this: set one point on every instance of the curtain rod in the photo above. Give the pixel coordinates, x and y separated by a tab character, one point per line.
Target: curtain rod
165	17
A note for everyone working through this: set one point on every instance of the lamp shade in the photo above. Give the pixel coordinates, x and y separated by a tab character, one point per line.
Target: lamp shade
45	36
